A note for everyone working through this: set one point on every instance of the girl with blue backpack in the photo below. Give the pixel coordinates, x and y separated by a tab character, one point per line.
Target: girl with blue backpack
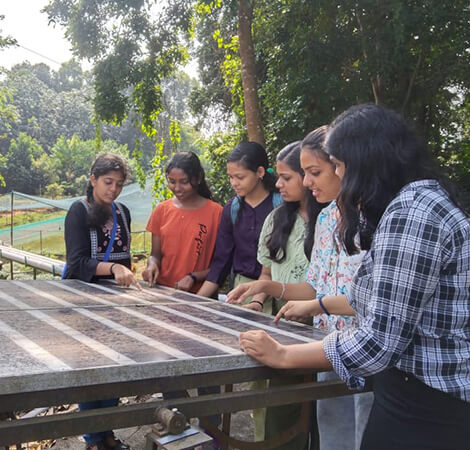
242	218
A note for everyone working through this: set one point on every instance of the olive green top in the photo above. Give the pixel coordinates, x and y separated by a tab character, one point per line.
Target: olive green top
293	268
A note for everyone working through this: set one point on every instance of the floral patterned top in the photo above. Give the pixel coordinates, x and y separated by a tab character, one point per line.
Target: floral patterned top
331	269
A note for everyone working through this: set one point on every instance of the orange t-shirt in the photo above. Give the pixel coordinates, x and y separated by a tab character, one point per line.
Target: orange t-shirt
187	239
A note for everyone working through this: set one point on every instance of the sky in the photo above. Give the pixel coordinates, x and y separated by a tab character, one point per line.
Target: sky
24	22
38	41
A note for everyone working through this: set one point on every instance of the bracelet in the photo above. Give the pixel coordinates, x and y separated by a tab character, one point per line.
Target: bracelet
281	297
190	274
322	306
111	269
259	303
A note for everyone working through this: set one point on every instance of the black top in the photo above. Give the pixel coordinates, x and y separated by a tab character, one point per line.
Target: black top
236	245
86	247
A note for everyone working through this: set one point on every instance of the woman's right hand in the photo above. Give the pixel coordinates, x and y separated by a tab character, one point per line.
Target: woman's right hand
124	276
150	274
297	310
245	290
255	306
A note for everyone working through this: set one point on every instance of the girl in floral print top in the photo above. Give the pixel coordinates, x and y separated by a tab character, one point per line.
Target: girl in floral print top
331	270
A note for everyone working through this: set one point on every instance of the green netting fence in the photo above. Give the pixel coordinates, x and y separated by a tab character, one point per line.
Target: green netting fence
38	222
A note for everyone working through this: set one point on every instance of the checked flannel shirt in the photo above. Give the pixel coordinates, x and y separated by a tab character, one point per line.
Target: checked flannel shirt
412	296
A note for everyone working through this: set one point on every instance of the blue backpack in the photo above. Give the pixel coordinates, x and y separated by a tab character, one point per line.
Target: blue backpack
235	206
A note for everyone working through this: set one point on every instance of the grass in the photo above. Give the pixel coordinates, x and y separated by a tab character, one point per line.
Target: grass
22	217
52	244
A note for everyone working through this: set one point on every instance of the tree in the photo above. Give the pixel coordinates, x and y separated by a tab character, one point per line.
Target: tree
6	41
20	172
248	72
72	159
312	59
134	48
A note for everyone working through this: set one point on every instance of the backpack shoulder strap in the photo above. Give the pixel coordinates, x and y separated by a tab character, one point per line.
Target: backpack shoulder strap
277	199
234	208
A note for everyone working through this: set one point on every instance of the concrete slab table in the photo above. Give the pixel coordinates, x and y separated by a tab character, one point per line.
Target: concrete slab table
67	341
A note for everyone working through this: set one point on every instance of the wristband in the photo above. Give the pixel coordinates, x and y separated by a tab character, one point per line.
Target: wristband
281	297
322	306
111	269
190	274
259	303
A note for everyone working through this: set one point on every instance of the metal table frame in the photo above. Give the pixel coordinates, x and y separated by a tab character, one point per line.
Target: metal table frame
24	392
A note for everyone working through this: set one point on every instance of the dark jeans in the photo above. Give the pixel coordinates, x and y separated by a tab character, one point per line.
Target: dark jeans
409	415
94	438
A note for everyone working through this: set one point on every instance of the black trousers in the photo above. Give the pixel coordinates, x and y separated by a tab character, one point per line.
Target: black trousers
409	415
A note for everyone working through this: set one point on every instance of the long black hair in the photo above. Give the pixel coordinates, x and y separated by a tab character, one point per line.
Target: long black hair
286	214
381	154
98	214
314	142
189	163
251	156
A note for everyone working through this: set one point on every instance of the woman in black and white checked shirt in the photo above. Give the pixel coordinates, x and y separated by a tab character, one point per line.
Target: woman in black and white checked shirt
411	295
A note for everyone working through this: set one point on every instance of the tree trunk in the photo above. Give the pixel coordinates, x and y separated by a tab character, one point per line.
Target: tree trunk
247	56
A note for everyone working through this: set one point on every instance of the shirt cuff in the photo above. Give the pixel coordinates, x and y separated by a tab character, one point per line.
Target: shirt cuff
330	344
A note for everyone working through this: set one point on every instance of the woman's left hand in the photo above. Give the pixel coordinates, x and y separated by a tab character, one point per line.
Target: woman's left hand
259	345
185	284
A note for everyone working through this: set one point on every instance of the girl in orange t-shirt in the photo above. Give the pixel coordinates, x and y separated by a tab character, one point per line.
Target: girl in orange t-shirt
184	228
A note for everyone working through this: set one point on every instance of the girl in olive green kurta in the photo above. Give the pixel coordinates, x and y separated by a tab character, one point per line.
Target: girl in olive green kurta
282	253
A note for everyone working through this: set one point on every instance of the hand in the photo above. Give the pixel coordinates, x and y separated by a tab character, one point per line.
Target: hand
297	310
150	274
259	345
185	284
124	276
253	306
245	290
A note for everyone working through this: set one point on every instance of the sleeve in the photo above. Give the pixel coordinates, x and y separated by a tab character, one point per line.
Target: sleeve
224	247
263	251
313	272
154	223
128	215
77	244
403	267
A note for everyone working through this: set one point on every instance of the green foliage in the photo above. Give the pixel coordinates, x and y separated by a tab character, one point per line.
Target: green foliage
8	111
318	58
71	160
135	45
160	188
216	24
47	104
214	158
42	111
20	171
175	133
455	150
314	59
231	71
54	190
6	41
